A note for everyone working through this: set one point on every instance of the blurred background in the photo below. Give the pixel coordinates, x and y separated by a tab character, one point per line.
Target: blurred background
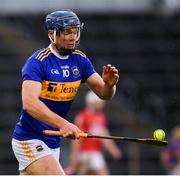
141	38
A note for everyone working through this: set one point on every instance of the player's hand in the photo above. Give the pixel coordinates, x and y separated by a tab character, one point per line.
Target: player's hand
69	130
110	75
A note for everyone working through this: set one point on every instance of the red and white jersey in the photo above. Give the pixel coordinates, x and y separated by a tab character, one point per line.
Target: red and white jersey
93	123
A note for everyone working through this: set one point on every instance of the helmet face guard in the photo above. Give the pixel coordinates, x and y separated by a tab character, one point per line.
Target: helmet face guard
60	20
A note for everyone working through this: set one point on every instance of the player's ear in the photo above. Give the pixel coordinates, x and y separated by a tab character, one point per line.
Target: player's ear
51	33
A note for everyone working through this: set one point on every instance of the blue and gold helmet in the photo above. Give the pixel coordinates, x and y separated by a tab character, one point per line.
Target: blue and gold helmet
59	20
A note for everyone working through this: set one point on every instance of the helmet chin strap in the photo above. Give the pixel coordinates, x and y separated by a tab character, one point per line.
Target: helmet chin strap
62	51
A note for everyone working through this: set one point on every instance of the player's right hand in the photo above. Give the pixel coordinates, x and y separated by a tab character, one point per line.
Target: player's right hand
69	130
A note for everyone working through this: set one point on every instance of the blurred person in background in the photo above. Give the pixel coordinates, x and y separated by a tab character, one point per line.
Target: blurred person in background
170	156
87	154
51	78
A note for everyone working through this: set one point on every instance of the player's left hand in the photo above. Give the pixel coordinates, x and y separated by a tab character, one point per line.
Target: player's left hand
110	75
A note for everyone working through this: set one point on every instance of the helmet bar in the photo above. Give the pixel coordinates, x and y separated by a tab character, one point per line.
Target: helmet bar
72	16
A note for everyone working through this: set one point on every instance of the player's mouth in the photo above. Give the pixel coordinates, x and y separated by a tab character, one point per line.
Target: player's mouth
70	45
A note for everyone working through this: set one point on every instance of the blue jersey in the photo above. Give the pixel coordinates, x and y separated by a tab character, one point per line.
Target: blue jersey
60	79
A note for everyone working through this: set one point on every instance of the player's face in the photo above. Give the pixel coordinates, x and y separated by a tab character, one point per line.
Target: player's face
67	38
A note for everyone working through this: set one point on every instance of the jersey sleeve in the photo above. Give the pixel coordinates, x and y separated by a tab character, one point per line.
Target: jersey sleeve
87	70
33	70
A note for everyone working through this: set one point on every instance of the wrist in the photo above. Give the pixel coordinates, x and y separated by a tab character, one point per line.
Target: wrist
61	122
109	86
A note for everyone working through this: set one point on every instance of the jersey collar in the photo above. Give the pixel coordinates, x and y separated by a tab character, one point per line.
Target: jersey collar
57	54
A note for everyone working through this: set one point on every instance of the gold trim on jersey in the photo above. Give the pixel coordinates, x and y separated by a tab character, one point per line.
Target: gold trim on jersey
42	51
59	91
27	150
79	52
43	54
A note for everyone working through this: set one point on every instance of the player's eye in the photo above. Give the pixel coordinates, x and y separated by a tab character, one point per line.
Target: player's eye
70	31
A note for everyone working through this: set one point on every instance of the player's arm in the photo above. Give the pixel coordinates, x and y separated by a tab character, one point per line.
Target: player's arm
105	86
31	103
165	158
75	145
111	146
75	150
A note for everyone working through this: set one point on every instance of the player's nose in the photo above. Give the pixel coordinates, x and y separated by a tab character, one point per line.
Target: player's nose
72	37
